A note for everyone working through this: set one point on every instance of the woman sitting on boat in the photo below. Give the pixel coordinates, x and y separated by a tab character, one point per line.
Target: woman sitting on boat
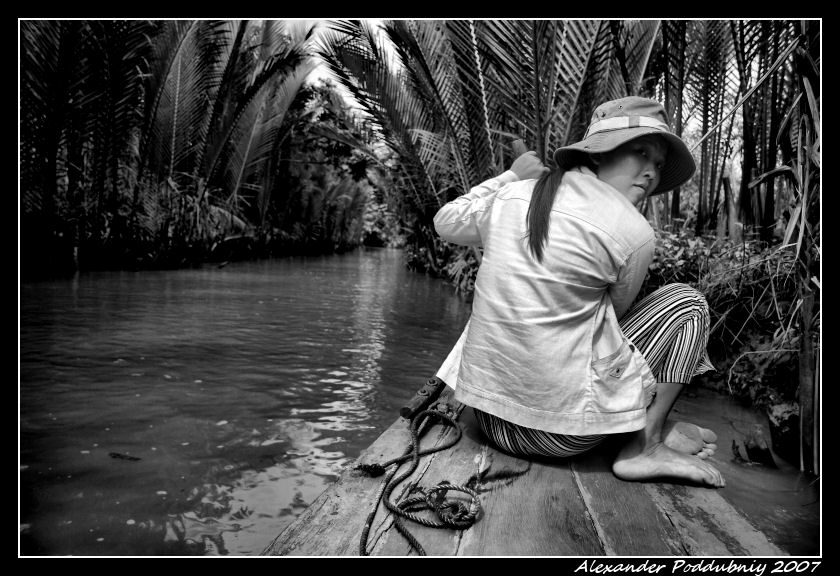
556	357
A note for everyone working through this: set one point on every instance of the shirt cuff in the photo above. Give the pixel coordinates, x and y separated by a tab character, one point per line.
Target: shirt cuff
507	177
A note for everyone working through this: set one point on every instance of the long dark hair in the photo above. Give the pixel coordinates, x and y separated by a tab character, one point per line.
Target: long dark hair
542	199
539	210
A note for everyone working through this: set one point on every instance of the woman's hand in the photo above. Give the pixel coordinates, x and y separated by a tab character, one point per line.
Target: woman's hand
528	166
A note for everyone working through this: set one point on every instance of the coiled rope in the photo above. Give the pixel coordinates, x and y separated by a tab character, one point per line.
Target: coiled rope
453	514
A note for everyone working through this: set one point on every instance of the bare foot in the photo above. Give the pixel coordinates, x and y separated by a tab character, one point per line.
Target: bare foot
690	439
639	461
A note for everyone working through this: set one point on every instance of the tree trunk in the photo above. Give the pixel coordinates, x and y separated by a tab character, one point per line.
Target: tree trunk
675	203
720	228
701	191
816	427
731	210
678	119
749	162
768	223
806	385
665	210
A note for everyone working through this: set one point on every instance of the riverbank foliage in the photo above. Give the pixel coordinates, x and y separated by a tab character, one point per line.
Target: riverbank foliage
752	294
169	143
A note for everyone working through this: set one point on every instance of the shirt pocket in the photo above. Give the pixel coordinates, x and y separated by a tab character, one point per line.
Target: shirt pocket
615	383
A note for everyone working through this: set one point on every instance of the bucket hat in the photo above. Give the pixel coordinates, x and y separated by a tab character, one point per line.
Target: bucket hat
619	121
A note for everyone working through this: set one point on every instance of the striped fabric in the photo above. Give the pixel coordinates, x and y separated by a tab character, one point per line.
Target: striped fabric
670	327
522	441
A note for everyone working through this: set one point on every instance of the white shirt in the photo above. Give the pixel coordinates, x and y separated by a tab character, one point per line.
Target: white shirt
543	347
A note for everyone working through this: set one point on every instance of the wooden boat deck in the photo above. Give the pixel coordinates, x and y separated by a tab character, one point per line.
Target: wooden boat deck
539	508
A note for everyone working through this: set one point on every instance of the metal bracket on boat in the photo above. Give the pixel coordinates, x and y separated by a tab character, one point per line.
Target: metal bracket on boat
424	396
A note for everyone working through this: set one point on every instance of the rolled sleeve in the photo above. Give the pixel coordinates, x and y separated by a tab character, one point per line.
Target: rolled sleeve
459	221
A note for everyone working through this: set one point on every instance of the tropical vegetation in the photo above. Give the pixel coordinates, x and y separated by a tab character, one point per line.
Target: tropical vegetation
166	143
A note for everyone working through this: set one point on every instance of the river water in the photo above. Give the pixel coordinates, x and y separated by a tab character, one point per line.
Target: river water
199	411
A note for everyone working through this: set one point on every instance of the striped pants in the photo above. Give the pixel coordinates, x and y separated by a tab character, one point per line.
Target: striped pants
670	327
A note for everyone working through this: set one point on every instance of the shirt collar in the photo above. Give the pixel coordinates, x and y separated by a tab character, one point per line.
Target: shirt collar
586	171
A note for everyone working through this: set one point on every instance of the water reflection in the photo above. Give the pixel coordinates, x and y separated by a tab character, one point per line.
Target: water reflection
200	411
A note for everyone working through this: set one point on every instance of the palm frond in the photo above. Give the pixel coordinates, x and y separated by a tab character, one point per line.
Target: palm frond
576	58
168	43
594	83
233	75
356	56
428	57
287	61
190	59
258	130
673	67
518	80
116	56
43	100
632	42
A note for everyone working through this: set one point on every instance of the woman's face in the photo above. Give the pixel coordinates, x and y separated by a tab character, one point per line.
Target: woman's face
634	168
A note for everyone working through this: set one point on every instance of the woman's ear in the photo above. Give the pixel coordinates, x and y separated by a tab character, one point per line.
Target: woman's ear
595	157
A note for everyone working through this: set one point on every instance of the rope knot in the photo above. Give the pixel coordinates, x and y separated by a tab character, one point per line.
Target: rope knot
454	513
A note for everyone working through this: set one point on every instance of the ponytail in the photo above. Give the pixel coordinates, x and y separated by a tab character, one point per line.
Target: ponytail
539	210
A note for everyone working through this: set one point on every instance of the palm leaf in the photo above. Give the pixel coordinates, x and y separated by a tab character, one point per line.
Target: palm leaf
230	79
179	121
356	56
41	106
258	130
117	52
522	77
594	83
278	64
52	80
427	56
632	42
168	45
196	80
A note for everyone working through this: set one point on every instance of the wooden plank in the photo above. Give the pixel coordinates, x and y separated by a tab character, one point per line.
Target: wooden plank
541	513
530	508
626	519
333	523
709	525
